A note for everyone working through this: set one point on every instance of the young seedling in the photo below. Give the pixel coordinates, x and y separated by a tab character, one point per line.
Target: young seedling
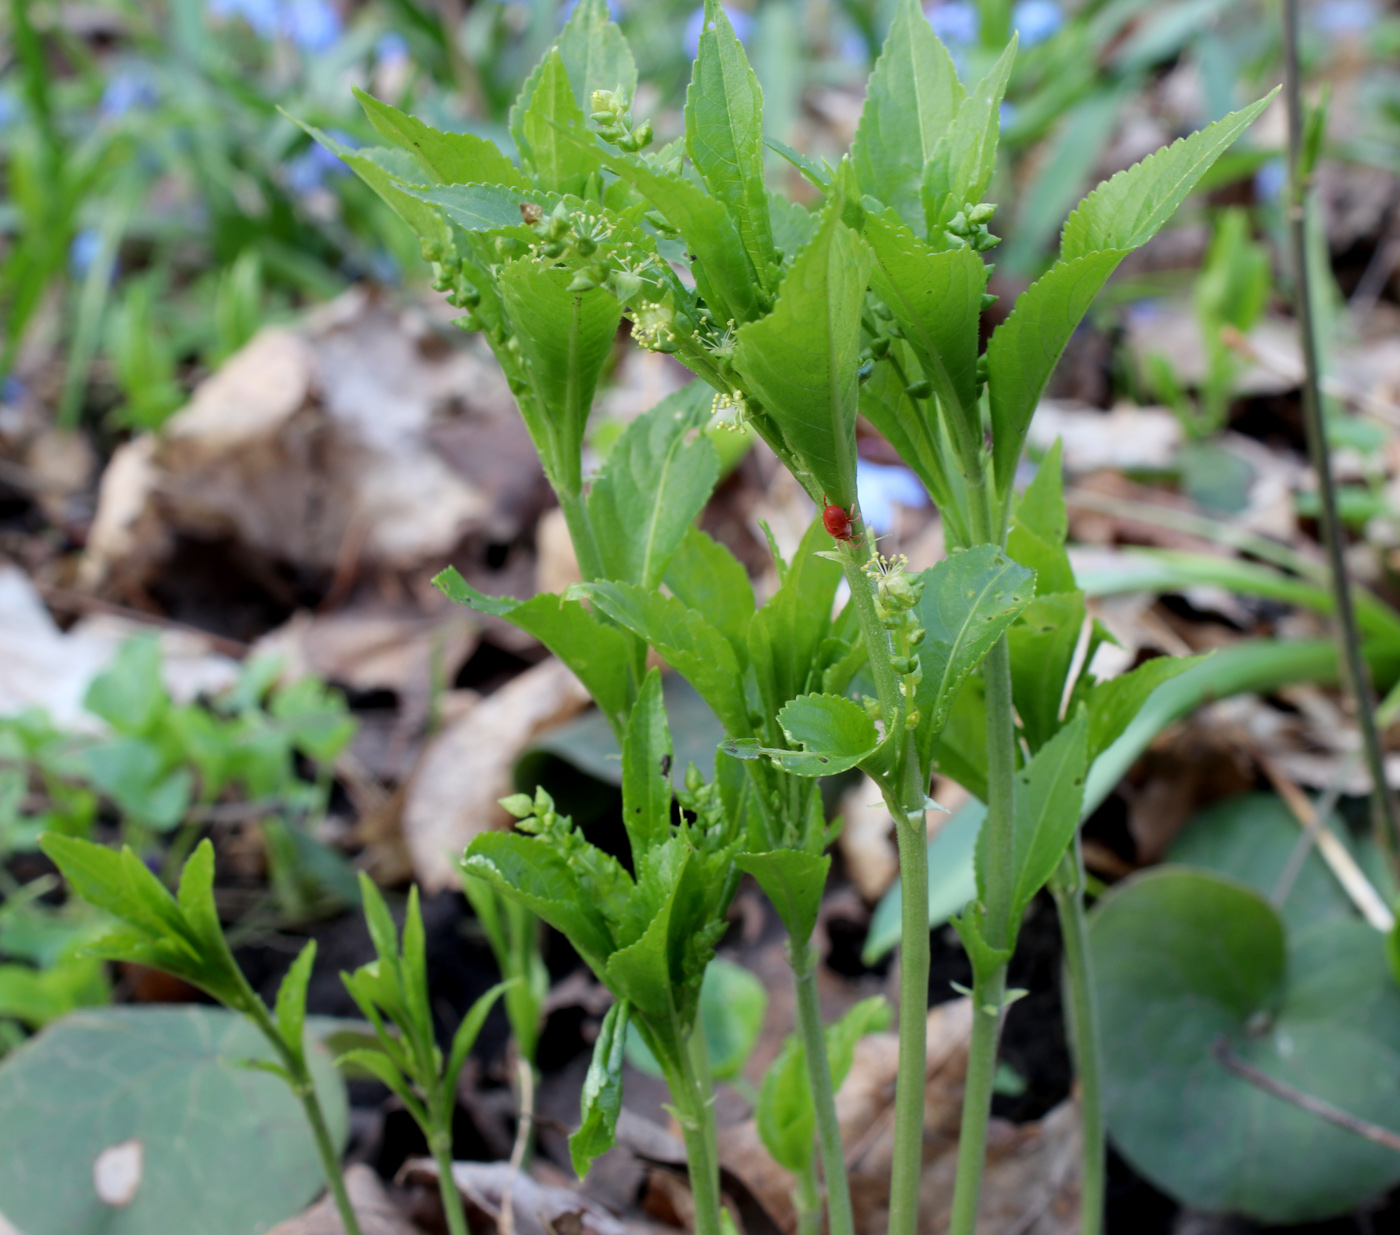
181	935
392	992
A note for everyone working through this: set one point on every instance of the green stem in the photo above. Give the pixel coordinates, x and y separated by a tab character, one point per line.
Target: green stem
1067	886
590	560
907	1166
872	633
999	862
987	995
809	1026
694	1098
447	1187
807	1201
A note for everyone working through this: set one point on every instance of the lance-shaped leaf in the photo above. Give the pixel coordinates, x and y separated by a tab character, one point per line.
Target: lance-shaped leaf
1114	704
656	480
595	56
968	601
448	158
565	337
541	879
1040	526
801	359
689	644
376	168
646	770
487	207
596	653
962	164
724	132
936	299
1042	645
913	96
708	578
794	881
602	1091
559	164
1112	221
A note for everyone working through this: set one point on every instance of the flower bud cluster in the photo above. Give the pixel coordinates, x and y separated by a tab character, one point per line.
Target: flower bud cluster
611	112
703	804
969	227
730	410
897	595
659	326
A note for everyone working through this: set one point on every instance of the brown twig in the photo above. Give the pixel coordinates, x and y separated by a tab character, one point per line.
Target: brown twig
1304	1101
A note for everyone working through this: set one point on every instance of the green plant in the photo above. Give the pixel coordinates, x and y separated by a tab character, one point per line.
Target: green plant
392	992
181	935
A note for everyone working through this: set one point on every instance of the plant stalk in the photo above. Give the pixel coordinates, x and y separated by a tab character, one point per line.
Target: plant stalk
1067	887
694	1097
912	1072
987	996
447	1187
1385	822
1000	858
808	1202
330	1160
809	1025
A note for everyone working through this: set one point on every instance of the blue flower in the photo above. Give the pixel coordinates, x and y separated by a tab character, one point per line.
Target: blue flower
1036	20
567	10
391	49
12	390
127	90
881	487
954	21
87	244
1269	180
9	109
1342	17
313	25
695	23
264	17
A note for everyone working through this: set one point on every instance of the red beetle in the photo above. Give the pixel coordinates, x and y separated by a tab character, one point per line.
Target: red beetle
837	520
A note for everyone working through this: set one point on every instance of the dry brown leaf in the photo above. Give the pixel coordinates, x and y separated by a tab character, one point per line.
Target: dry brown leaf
539	1209
466	769
305	434
1128	437
375	1209
556	563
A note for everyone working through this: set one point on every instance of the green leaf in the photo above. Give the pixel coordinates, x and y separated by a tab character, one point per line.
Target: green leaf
936	299
291	1001
597	654
482	207
656	480
724	132
558	164
1049	799
375	169
687	642
383	1069
911	100
1186	961
218	1140
646	770
1253	838
801	360
1042	643
537	876
869	1016
449	158
794	882
1040	526
565	339
129	694
961	166
641	972
785	1114
732	1005
1113	704
708	578
829	725
968	601
1025	348
602	1092
1131	208
468	1032
594	52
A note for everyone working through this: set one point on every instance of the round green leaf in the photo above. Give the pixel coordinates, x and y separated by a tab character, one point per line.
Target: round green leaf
224	1147
1185	960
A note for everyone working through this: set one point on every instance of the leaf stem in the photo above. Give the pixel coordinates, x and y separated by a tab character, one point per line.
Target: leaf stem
987	995
1067	887
1385	823
694	1098
1000	871
809	1025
